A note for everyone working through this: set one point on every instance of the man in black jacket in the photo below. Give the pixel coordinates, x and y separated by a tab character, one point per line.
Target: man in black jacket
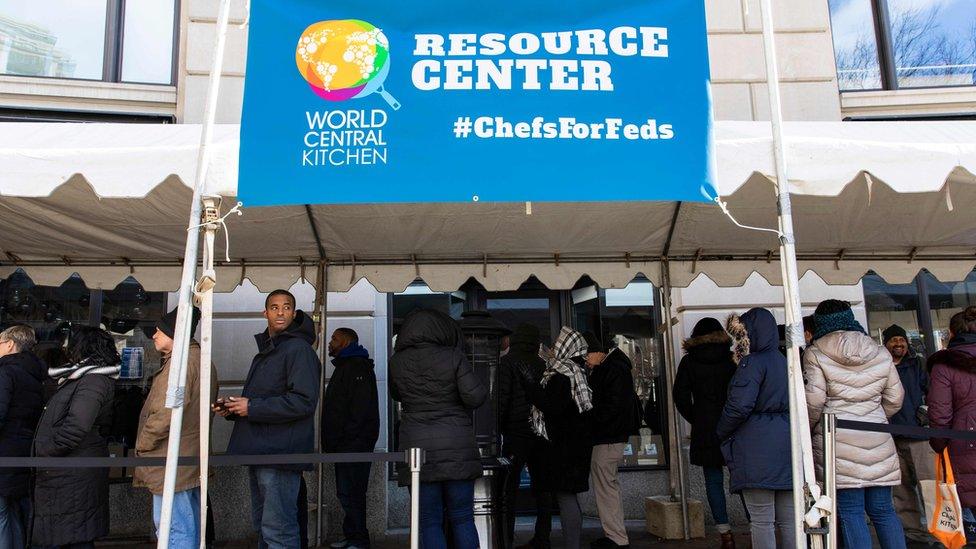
615	417
351	423
22	375
521	446
275	415
914	453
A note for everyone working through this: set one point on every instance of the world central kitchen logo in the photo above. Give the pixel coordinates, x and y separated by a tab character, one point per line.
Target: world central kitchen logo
345	59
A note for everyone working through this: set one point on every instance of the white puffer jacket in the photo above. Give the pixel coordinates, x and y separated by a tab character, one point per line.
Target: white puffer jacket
849	374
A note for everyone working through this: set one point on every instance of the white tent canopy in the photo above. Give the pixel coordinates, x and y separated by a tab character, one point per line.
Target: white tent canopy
111	200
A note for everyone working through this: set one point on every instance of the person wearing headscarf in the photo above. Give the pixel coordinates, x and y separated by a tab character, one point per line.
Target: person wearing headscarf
561	404
849	374
71	505
755	429
522	446
700	389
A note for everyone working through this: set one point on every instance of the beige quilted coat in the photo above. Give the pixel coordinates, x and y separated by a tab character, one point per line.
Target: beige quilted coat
849	374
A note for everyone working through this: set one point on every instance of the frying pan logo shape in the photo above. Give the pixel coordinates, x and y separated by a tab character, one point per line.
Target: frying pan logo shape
345	59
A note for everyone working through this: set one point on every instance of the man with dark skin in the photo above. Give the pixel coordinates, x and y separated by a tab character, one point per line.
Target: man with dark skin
914	454
274	415
351	423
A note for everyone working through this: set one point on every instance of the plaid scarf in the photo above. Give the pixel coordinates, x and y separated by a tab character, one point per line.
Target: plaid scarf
85	367
569	344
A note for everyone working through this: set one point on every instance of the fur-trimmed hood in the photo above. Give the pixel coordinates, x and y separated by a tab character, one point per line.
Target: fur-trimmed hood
961	358
707	339
753	332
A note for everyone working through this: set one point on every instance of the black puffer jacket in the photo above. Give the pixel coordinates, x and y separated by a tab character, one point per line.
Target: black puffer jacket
616	411
71	505
22	377
566	468
432	379
701	387
350	408
513	406
282	388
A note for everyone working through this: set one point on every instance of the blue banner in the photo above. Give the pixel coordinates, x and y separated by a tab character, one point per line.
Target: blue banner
356	101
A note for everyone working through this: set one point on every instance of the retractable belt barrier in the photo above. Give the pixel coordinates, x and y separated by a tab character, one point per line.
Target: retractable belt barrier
904	430
215	461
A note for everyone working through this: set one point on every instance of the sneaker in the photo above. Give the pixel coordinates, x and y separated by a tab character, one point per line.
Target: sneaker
341	544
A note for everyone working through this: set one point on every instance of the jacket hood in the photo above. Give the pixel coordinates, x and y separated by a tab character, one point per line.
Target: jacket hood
29	361
428	328
753	332
302	327
962	358
354	351
849	348
714	338
525	339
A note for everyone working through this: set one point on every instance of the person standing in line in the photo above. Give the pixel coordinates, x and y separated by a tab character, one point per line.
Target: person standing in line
523	447
915	456
561	403
71	507
153	438
700	390
755	429
616	417
275	415
433	380
22	377
952	404
351	423
847	373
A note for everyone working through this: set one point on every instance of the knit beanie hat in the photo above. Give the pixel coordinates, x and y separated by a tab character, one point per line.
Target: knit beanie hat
526	334
705	326
841	321
593	343
892	332
167	324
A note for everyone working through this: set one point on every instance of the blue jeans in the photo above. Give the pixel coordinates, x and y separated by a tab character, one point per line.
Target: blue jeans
14	514
274	507
184	527
876	501
457	497
715	492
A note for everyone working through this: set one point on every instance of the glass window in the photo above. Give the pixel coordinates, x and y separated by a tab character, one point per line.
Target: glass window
855	45
625	319
56	38
947	299
889	304
419	296
934	42
147	43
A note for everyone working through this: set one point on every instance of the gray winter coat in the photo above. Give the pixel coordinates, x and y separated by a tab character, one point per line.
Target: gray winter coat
432	379
849	374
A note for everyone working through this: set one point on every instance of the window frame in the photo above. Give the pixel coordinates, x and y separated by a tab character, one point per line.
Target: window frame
113	49
884	41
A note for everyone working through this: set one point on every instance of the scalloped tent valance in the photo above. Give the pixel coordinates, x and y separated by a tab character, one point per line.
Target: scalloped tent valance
109	201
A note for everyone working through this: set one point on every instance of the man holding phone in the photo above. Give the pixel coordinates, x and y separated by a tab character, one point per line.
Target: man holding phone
275	415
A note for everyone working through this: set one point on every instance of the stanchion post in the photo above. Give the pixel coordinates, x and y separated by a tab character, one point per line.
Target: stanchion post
415	458
830	475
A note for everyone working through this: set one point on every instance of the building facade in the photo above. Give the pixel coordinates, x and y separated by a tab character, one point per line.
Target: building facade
142	62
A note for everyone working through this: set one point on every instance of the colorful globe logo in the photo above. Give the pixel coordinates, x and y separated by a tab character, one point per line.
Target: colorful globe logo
345	59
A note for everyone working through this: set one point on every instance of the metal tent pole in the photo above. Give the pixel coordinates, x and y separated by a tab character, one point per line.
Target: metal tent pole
204	294
322	305
802	461
674	423
177	373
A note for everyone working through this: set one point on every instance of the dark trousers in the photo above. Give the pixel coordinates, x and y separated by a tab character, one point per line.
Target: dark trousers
519	453
352	482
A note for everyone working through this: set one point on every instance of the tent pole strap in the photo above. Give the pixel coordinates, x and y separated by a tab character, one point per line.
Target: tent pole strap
177	373
322	303
804	484
675	454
